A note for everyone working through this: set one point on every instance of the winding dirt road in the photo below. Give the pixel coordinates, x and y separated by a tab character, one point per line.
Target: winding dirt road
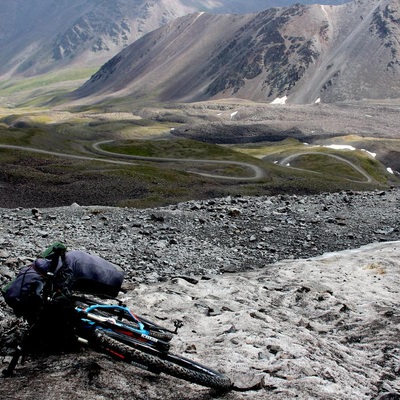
64	155
367	177
258	172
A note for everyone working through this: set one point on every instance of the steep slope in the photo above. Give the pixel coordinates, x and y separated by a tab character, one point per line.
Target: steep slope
48	34
43	35
307	53
363	57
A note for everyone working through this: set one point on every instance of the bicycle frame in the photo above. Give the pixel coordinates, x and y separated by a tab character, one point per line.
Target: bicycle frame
90	322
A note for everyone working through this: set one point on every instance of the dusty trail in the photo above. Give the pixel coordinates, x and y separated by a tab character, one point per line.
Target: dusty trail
368	178
258	172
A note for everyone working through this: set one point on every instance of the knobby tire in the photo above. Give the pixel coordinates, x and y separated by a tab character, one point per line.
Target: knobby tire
169	363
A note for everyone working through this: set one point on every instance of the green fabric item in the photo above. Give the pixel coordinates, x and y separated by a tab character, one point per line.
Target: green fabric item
57	248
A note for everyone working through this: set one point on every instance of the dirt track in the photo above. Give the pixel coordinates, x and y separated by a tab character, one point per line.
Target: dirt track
258	172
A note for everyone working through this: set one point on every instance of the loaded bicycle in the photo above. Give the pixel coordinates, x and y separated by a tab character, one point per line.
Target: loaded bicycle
114	330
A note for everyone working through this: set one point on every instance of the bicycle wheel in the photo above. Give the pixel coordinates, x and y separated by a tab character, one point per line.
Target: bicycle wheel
157	362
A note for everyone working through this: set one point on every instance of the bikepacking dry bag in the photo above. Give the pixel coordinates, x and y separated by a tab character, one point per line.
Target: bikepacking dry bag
25	293
70	271
92	274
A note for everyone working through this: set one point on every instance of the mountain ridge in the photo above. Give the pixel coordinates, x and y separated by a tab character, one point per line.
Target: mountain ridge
306	53
44	35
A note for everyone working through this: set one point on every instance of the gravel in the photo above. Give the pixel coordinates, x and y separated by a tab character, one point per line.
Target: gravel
230	234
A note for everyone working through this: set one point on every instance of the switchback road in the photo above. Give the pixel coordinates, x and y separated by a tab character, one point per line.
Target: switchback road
258	172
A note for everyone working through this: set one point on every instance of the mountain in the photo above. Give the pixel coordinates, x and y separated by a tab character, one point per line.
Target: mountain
306	53
38	36
42	35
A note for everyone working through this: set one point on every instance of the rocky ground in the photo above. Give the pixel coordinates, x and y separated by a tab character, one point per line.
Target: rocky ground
308	328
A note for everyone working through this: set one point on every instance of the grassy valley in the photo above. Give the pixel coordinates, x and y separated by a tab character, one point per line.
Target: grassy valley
143	161
38	90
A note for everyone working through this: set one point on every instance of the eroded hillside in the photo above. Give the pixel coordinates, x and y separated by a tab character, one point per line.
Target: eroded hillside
299	54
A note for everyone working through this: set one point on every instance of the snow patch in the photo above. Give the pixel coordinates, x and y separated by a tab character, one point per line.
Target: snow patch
340	147
348	147
373	155
280	100
390	170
